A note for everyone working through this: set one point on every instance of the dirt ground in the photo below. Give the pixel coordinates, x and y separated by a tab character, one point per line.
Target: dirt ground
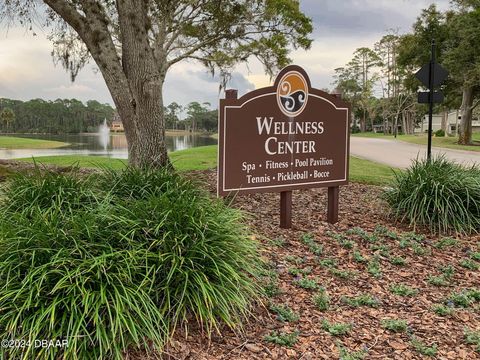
371	271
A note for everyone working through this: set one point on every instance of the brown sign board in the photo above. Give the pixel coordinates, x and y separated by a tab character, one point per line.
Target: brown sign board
285	137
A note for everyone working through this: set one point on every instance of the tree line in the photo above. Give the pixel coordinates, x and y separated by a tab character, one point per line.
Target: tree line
61	116
71	116
391	63
199	117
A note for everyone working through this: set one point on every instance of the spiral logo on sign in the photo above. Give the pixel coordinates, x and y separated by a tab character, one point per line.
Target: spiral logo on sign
292	93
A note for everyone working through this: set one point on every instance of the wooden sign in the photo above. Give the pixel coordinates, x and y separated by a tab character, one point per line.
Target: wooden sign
282	138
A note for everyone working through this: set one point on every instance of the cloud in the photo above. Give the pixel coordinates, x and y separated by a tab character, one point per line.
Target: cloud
341	26
187	82
358	18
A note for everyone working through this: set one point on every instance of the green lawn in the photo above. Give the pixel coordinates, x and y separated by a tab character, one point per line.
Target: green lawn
205	157
10	142
421	139
369	172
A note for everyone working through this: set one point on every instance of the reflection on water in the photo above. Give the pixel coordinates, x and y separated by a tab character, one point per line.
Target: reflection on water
101	144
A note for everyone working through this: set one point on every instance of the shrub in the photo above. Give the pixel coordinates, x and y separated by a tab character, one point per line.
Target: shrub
118	260
438	194
440	133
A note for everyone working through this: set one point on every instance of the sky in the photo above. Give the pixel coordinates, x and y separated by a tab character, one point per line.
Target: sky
340	26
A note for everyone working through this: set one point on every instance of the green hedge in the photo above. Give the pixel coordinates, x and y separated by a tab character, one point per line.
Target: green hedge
118	260
439	194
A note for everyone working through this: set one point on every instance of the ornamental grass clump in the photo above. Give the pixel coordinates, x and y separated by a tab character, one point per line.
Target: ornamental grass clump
118	260
438	194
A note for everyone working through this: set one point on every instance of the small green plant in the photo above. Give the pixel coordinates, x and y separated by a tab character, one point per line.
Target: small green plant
403	290
395	325
364	235
337	236
284	313
475	256
357	231
386	232
413	236
358	257
469	264
269	281
328	262
440	133
472	337
343	274
361	300
448	271
420	250
381	249
446	242
474	294
282	339
342	240
398	261
374	267
309	240
294	259
404	243
305	283
336	329
316	249
442	310
346	354
441	280
423	349
297	271
280	242
439	194
464	298
321	300
347	244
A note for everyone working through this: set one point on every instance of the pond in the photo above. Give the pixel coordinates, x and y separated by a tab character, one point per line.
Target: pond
100	144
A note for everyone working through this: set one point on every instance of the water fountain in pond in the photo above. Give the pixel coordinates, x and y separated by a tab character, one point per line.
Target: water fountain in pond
104	135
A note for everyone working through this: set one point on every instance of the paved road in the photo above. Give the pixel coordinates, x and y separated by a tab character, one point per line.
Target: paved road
400	154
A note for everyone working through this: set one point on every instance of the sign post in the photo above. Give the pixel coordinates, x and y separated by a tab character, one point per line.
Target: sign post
286	137
286	209
431	75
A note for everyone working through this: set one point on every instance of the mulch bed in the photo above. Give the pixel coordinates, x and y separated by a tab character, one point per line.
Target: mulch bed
360	208
353	257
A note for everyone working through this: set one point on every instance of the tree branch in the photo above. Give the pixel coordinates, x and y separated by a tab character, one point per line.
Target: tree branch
68	13
475	105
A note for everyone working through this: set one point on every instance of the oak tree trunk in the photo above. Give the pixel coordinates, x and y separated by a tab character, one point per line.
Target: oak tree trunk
145	81
465	133
135	79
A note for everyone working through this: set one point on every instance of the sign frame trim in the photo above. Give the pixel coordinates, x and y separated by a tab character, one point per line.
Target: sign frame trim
230	103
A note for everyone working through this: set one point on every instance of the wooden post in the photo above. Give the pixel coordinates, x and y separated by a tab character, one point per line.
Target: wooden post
231	94
286	209
332	211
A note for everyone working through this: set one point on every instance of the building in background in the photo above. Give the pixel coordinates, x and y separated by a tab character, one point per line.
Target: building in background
452	123
116	125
